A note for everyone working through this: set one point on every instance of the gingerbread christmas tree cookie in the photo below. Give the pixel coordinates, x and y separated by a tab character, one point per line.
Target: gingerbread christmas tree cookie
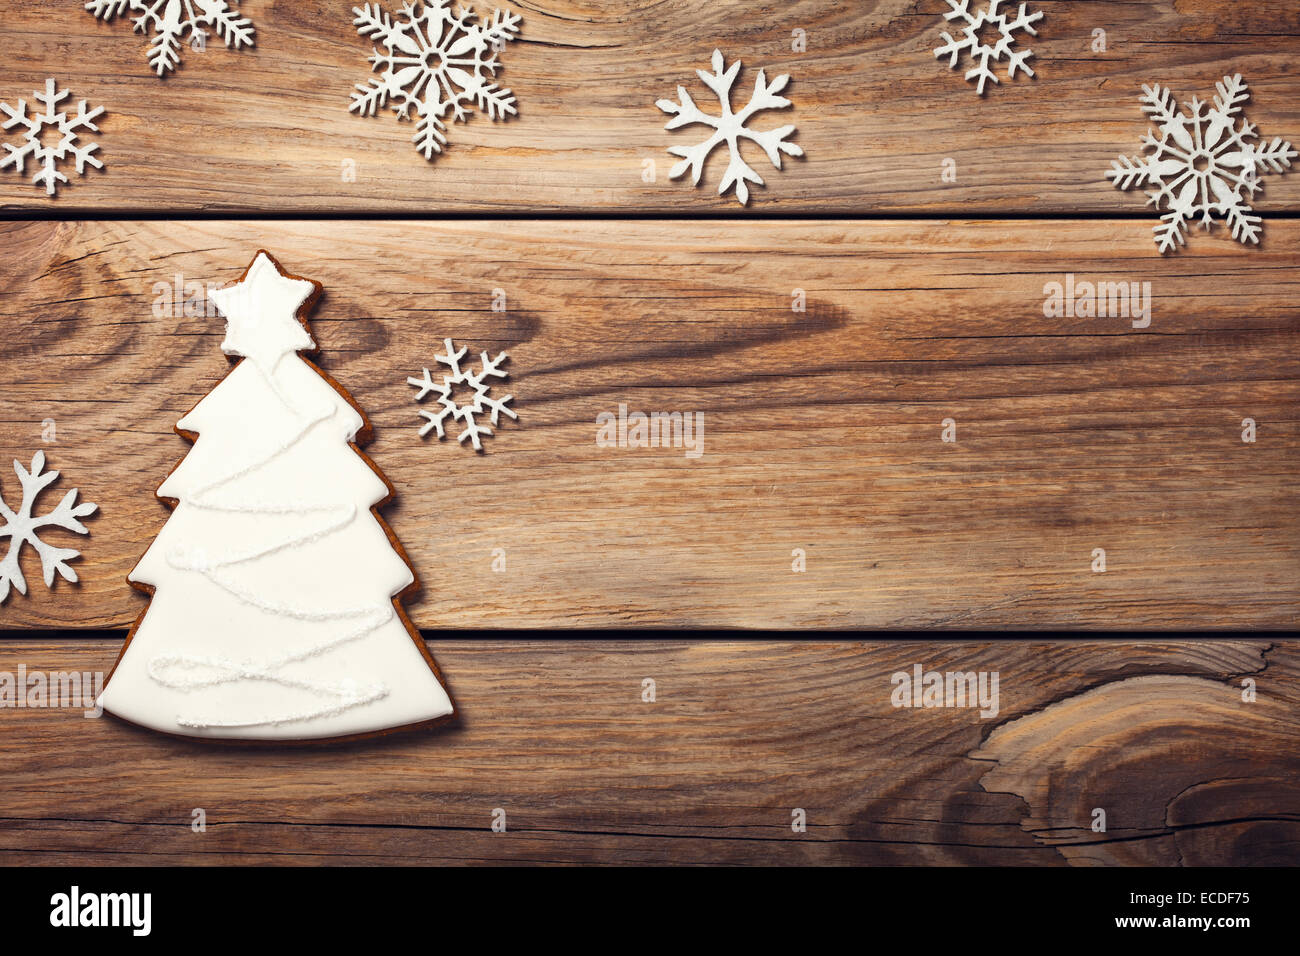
275	586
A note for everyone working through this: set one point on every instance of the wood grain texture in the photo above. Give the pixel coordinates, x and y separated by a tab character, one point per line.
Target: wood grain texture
822	428
268	130
555	733
822	433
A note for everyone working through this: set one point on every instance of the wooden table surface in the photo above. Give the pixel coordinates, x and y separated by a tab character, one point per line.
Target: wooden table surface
1175	708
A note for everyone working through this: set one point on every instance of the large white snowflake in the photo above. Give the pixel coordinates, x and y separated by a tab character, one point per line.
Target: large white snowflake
21	528
730	127
178	21
450	408
982	46
1201	163
50	136
434	61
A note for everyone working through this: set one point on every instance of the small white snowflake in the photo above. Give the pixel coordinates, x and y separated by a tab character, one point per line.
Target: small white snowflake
730	127
434	61
21	528
178	21
482	402
48	124
1201	165
975	37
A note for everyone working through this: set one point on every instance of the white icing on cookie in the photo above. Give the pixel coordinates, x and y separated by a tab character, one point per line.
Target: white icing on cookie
272	615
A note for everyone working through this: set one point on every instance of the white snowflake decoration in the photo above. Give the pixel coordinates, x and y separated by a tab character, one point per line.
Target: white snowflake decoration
48	123
1201	163
730	127
434	61
179	21
21	527
482	402
974	43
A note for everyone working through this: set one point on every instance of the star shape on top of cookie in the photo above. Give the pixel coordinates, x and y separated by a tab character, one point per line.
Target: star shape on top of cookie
261	313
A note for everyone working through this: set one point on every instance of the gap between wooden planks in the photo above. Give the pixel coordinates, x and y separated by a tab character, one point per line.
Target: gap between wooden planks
556	734
267	130
822	428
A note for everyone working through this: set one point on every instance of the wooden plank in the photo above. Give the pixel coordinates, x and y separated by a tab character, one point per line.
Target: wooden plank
268	130
556	734
822	428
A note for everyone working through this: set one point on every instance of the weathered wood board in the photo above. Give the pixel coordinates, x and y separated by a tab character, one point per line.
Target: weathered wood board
556	734
268	130
922	302
822	428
